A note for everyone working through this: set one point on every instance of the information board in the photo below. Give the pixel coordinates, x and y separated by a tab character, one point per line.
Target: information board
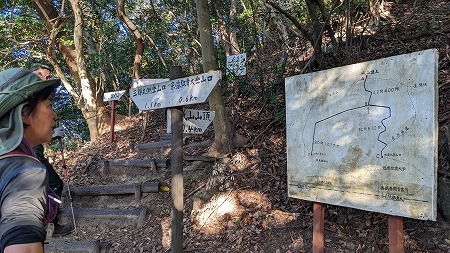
365	135
236	64
177	92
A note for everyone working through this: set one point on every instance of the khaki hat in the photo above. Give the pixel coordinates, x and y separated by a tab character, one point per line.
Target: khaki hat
16	85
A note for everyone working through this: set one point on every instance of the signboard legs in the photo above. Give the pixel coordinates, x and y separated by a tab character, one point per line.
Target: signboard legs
318	227
177	171
395	224
396	234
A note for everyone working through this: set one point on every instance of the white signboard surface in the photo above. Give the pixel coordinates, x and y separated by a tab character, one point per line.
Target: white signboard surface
145	82
365	135
111	96
177	92
236	64
194	121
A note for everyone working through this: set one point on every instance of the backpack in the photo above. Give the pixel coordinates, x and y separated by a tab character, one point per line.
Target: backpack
53	200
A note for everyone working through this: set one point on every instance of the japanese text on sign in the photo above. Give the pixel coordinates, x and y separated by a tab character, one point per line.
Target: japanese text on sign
194	121
236	64
178	92
111	96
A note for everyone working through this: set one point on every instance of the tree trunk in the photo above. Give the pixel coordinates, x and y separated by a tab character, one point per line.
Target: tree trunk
90	103
86	100
137	71
224	36
317	30
222	127
233	39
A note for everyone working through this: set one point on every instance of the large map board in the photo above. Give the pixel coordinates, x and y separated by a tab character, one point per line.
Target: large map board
365	135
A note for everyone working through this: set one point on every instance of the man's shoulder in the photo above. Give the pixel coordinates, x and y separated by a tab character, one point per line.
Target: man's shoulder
17	160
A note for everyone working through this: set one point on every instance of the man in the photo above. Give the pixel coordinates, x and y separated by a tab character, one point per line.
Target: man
55	182
26	120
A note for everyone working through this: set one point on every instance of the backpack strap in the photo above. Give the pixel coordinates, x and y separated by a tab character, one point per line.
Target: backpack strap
14	153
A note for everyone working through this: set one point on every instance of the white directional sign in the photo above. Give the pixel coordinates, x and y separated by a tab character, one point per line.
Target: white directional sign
365	135
111	96
145	82
177	92
194	121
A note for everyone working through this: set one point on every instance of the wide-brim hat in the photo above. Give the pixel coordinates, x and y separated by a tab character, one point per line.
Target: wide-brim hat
16	86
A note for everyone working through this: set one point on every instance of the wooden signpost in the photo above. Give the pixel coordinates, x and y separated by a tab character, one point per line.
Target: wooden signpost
175	94
113	96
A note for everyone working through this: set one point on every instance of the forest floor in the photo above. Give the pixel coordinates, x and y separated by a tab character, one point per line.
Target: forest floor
240	204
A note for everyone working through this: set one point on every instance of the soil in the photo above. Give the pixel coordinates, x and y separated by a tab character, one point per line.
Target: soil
239	203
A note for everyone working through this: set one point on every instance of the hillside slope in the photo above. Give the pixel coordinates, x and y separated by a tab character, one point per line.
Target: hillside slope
240	203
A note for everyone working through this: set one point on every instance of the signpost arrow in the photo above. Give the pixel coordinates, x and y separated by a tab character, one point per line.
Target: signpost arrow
111	96
177	92
194	121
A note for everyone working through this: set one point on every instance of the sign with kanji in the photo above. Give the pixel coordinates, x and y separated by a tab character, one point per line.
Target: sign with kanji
194	121
144	82
177	92
111	96
365	135
236	64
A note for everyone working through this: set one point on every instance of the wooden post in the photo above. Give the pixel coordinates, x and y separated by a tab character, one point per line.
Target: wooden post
113	119
177	189
318	228
396	233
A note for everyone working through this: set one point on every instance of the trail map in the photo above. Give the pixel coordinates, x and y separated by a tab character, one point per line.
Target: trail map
365	135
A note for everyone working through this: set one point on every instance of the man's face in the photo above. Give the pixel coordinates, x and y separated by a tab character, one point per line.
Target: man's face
44	74
40	122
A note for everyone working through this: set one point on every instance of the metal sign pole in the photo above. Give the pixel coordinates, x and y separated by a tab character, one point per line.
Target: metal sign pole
177	190
113	119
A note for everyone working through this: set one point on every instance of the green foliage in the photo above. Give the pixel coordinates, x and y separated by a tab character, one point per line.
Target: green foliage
169	31
65	41
70	117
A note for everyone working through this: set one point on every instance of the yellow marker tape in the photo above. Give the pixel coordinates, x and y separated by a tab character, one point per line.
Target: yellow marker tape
165	188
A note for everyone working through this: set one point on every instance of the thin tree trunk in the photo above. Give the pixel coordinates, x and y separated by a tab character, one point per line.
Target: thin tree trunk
54	23
222	127
137	71
90	108
233	39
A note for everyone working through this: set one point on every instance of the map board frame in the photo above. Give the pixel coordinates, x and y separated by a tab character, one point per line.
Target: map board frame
364	136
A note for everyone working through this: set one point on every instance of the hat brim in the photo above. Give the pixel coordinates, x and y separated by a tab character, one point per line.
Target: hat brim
17	93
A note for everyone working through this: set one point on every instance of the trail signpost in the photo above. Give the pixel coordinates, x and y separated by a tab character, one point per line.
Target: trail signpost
174	94
145	82
365	136
178	92
112	97
194	121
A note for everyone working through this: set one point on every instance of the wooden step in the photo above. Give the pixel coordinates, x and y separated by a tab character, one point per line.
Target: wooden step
155	145
110	217
110	196
66	246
